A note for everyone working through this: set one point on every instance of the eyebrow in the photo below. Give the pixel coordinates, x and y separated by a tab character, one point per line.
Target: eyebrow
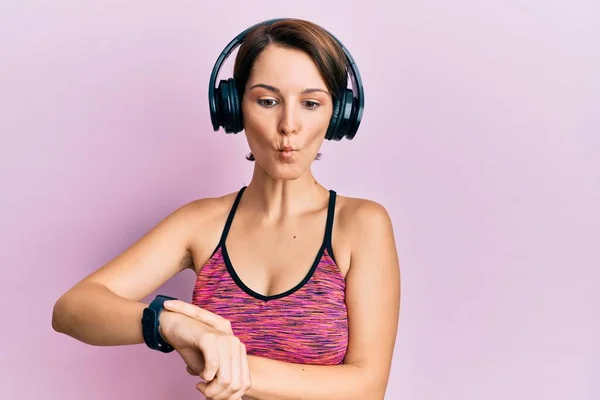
276	90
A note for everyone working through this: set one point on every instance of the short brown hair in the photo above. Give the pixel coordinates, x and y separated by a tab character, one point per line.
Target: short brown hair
294	34
297	34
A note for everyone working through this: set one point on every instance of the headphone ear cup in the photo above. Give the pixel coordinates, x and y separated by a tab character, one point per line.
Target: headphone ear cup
223	105
342	116
354	112
334	122
346	114
228	108
236	111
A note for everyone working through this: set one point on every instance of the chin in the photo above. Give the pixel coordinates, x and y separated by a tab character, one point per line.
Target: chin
285	172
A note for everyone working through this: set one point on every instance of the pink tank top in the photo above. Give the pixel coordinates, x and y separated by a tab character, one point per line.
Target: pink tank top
307	324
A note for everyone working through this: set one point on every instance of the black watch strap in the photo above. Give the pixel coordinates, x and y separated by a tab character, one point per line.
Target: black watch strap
150	325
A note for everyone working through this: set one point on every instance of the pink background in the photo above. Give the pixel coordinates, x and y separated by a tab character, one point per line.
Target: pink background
481	136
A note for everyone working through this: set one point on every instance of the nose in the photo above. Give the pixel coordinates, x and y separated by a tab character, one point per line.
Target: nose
288	123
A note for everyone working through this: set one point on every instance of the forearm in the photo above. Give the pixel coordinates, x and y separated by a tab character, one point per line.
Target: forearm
92	314
276	380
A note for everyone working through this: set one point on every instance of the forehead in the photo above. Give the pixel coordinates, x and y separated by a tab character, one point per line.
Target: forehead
286	69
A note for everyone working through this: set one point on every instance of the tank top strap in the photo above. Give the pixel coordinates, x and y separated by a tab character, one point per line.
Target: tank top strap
329	226
231	215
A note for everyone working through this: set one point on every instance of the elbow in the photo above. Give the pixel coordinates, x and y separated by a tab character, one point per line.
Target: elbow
58	316
61	315
68	309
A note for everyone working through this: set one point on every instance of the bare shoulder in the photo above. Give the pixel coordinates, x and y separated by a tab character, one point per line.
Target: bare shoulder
205	209
361	226
204	220
359	216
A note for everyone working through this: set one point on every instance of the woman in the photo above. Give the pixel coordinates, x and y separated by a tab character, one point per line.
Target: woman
297	289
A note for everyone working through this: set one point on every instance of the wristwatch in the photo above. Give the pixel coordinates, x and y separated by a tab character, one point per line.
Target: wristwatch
150	325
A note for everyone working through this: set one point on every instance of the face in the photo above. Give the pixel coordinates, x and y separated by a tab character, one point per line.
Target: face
286	108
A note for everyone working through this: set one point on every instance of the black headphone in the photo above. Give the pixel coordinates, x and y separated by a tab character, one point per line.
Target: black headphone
224	101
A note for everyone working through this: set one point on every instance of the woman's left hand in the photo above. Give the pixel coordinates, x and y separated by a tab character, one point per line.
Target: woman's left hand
216	322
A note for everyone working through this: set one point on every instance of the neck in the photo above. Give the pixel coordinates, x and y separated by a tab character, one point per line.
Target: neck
275	199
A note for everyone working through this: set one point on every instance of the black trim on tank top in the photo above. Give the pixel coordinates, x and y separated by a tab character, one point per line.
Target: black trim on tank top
228	222
230	216
329	227
325	245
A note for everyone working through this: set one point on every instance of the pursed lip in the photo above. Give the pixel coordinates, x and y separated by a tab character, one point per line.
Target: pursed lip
287	149
287	153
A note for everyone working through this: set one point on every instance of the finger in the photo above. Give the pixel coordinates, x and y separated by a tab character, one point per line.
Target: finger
200	314
201	386
236	373
219	389
209	349
246	377
245	382
236	368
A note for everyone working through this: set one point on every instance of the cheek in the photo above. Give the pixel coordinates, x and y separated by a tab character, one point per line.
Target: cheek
256	125
317	124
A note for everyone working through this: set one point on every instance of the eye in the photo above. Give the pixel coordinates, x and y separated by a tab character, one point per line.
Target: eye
311	105
268	103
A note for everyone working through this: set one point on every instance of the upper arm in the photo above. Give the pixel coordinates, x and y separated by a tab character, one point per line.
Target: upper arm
373	293
153	259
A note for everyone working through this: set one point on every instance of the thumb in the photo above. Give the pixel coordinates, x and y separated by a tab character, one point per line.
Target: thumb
201	386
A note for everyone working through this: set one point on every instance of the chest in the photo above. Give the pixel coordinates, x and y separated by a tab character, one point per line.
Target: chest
272	260
308	325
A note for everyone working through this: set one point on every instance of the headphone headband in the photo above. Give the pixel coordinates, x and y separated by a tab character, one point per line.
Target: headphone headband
357	102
